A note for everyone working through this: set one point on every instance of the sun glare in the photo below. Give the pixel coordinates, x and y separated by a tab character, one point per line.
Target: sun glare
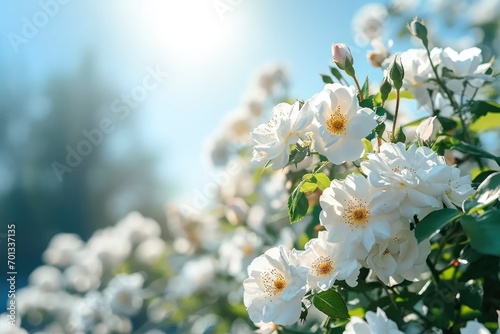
188	30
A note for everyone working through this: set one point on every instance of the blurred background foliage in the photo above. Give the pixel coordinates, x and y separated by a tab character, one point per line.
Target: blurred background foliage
37	123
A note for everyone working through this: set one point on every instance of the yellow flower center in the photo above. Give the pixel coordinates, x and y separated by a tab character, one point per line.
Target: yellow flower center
247	249
274	282
337	123
322	266
356	213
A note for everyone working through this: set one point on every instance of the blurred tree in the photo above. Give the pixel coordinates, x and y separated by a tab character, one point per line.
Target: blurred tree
36	126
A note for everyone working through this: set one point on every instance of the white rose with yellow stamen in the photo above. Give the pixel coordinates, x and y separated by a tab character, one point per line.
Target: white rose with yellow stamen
341	124
356	213
328	262
275	287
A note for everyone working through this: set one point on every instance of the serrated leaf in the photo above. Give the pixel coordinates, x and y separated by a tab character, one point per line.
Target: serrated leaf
435	221
297	205
483	232
331	303
366	103
487	192
326	79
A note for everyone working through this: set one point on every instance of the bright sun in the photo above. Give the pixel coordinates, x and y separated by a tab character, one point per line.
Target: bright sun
188	30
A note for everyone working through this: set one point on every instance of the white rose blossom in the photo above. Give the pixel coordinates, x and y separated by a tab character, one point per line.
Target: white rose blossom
376	323
358	214
422	179
238	251
418	74
340	123
474	327
273	139
398	258
275	287
328	262
466	65
124	294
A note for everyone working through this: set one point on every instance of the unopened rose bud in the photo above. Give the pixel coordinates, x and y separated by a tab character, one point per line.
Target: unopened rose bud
385	89
342	57
341	53
428	129
397	73
419	30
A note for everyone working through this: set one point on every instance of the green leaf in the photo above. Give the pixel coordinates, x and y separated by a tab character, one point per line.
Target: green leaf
404	94
487	192
472	295
367	145
326	79
473	150
482	176
379	130
483	232
366	103
434	221
308	187
336	73
366	89
313	181
400	135
447	123
297	205
322	181
298	154
481	108
331	303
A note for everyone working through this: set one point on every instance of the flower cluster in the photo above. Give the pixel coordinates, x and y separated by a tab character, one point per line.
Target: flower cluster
387	235
331	122
370	217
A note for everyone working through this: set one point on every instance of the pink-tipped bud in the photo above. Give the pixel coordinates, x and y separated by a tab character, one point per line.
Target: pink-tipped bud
428	129
342	56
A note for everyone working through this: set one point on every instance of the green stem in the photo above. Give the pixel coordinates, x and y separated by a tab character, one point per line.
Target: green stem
450	97
435	274
391	298
393	135
361	97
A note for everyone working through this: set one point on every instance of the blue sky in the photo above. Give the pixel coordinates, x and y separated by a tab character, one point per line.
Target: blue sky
210	60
